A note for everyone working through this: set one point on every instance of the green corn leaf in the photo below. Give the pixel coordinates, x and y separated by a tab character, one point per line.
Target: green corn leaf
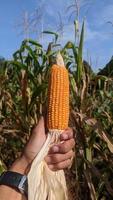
2	167
31	52
15	55
52	33
33	42
70	45
80	52
18	64
36	94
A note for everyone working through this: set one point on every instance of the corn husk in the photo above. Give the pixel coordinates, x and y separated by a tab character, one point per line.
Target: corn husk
44	184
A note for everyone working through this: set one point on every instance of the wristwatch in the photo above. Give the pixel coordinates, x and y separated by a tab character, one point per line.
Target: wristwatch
15	180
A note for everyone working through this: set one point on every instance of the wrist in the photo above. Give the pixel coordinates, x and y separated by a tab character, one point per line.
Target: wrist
14	182
21	166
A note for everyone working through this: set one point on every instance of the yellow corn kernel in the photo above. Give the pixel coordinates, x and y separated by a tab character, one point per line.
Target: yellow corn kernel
58	98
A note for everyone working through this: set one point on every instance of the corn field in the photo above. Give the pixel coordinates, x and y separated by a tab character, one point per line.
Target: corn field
23	98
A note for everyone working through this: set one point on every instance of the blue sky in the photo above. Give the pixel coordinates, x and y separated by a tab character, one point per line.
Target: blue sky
98	47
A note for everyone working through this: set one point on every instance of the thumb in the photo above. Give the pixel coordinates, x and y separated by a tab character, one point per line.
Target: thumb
39	130
36	141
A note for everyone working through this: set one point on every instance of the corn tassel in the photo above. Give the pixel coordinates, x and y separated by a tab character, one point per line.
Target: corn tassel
45	184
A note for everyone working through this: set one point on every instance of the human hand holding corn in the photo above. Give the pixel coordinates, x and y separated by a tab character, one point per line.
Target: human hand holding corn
59	156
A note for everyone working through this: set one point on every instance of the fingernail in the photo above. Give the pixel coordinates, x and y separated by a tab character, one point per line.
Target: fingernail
55	149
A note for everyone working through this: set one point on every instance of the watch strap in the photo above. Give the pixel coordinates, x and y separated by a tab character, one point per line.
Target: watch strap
14	180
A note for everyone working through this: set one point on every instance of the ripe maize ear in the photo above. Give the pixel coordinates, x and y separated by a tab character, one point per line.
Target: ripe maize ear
45	184
58	98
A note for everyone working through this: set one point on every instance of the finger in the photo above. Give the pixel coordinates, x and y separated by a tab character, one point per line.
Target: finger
39	129
66	146
62	147
38	132
67	134
57	158
37	138
61	165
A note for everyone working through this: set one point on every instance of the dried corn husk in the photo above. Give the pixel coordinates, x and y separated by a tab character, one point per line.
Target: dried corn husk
44	184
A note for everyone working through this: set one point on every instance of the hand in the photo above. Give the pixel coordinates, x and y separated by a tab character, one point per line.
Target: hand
59	156
36	141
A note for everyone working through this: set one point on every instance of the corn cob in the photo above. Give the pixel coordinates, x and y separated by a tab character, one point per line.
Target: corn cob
58	97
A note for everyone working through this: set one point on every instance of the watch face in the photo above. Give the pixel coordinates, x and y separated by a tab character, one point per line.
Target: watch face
23	185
